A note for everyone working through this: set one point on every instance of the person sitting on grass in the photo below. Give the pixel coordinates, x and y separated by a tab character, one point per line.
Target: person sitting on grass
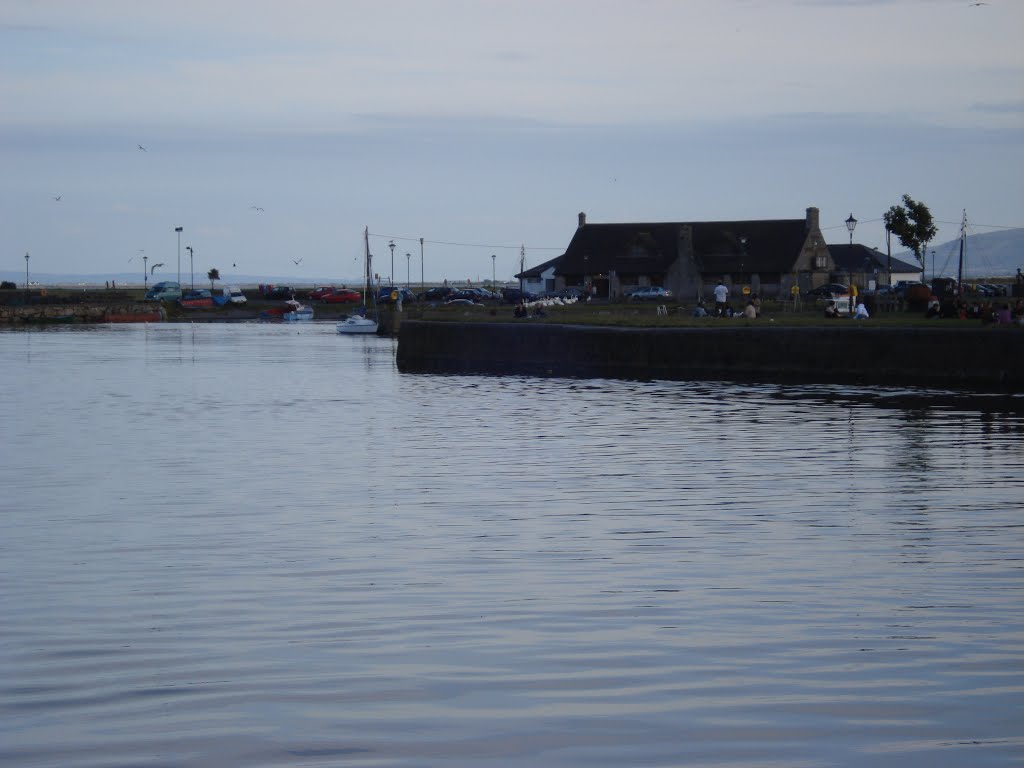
861	312
831	310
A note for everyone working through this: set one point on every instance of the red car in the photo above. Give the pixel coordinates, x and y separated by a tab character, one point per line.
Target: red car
319	293
342	296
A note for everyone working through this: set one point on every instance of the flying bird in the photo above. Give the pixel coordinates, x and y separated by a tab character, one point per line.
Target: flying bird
256	208
57	197
153	268
297	261
143	148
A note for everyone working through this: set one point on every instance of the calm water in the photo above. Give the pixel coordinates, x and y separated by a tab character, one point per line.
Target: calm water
260	545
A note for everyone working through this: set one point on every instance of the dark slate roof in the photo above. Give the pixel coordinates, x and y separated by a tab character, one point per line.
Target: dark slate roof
538	270
860	258
597	248
771	246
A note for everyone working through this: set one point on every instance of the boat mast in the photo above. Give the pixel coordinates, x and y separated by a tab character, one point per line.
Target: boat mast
963	248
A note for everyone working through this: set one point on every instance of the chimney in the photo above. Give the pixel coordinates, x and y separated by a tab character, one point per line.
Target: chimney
583	218
812	219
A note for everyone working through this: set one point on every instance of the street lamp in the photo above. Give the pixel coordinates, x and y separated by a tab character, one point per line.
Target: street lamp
743	257
191	271
851	224
494	260
408	262
178	230
145	273
522	267
391	245
423	285
26	270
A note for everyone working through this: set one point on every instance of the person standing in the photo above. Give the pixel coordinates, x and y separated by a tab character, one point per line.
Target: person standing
721	298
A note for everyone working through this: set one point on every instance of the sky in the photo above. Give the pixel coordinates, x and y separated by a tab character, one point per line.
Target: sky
273	133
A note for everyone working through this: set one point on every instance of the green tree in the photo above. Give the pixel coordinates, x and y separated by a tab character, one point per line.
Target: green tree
212	275
912	224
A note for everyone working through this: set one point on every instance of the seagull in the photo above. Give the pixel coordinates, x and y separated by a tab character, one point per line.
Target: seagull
57	197
256	208
153	268
976	4
297	261
143	148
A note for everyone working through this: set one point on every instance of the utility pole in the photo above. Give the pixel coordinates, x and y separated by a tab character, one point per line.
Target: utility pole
522	267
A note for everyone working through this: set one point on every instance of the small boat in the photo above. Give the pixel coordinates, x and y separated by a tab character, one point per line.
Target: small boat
357	324
298	313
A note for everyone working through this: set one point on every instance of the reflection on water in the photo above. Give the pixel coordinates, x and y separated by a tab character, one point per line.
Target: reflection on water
261	545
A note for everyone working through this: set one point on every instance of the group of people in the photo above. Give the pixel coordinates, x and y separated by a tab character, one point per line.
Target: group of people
860	312
722	308
987	311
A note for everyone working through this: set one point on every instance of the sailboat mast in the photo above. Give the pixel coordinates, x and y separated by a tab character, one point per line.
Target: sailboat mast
963	248
366	261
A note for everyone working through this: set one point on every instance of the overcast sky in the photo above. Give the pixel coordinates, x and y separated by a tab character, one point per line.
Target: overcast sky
481	126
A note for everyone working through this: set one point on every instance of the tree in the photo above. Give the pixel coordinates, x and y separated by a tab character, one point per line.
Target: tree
212	275
912	224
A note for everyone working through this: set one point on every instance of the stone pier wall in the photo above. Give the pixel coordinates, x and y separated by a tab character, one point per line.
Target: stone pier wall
113	312
976	359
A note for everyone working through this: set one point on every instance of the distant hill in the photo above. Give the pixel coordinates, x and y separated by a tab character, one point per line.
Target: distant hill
992	254
132	280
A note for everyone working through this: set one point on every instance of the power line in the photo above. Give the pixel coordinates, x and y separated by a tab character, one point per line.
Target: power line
467	245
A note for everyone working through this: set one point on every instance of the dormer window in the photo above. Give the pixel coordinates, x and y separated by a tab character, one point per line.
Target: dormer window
642	247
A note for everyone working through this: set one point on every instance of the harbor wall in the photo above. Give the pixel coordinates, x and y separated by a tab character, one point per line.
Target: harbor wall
975	359
92	312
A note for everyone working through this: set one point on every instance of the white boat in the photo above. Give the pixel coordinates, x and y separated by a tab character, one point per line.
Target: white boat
359	323
299	313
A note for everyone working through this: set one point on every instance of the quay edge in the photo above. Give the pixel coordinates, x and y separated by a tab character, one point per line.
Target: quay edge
981	359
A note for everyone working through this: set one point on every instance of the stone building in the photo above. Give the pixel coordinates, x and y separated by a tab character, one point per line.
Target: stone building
769	257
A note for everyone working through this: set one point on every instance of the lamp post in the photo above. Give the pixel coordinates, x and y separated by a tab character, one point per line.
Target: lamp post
743	258
145	273
26	270
494	259
178	230
423	285
522	267
851	224
191	270
408	280
391	245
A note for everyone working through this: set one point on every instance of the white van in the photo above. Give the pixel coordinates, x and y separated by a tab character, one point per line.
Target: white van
233	294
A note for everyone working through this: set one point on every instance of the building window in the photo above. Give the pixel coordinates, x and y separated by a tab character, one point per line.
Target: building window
820	262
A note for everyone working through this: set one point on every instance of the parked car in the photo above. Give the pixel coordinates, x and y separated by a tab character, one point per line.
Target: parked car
165	291
197	299
472	294
276	291
827	291
342	296
318	293
462	303
514	295
901	287
438	293
651	293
